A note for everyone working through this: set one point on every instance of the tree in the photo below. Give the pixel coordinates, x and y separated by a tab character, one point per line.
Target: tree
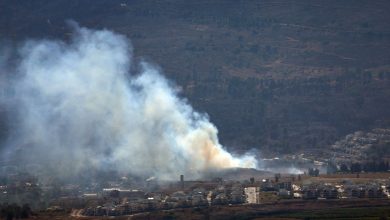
26	211
356	168
344	168
314	172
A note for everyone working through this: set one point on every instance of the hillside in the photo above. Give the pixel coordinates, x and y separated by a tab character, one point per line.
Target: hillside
278	76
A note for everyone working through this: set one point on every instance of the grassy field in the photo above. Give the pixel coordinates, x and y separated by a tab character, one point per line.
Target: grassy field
366	209
345	213
336	209
378	175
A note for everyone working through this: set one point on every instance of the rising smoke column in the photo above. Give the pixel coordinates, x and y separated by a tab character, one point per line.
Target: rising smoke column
78	105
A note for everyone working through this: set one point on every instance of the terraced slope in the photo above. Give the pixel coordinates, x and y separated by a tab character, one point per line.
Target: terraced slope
274	75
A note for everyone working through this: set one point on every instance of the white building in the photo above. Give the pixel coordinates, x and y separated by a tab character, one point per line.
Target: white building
252	195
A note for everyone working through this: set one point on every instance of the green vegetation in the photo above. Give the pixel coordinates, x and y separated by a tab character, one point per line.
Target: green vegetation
341	214
374	213
13	211
281	76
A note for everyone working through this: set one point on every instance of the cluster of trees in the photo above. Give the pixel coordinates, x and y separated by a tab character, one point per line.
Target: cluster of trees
313	172
317	109
14	211
381	166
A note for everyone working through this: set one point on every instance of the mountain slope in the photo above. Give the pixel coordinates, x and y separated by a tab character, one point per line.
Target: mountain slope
274	75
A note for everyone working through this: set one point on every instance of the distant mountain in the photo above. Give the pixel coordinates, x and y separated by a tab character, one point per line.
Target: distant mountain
279	76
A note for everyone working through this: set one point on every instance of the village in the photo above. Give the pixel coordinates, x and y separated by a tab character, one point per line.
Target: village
127	196
117	201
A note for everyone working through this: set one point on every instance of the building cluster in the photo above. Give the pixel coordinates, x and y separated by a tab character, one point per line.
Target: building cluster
126	196
115	201
340	191
322	190
19	188
356	147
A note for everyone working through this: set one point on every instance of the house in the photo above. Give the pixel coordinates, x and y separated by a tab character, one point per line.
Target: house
374	192
267	185
124	193
198	197
237	194
284	185
355	192
310	193
220	199
252	195
284	193
329	193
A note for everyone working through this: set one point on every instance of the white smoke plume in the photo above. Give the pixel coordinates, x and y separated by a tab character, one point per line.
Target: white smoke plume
80	106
